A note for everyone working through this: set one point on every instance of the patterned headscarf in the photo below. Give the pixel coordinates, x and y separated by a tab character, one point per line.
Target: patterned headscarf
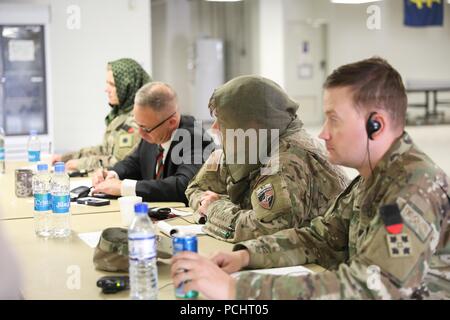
129	77
251	102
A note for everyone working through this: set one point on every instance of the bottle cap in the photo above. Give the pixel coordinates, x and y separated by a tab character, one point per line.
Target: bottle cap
42	167
141	208
60	167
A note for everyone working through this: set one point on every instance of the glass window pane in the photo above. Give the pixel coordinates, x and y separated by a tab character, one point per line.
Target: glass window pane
23	94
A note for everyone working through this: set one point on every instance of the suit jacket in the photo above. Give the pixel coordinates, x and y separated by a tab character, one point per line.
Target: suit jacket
187	144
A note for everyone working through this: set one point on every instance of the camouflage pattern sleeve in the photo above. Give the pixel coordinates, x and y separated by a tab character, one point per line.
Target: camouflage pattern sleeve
92	162
84	152
211	176
120	139
387	264
324	242
279	201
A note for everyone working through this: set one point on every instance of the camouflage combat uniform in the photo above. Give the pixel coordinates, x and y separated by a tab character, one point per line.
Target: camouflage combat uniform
120	137
121	134
301	188
370	252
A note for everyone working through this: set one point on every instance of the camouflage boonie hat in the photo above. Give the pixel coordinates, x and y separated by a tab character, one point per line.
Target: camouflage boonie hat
111	253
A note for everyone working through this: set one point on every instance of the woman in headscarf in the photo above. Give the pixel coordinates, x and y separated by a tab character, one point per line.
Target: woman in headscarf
124	78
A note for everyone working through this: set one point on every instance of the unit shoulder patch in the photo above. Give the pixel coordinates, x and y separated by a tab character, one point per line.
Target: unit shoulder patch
126	140
266	196
399	245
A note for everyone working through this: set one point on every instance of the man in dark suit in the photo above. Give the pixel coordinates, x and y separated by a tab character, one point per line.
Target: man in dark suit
169	155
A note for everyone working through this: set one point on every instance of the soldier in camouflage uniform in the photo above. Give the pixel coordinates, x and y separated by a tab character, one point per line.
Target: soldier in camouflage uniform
378	237
251	203
121	133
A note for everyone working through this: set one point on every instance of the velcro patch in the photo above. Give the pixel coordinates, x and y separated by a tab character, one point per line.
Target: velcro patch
392	219
266	196
399	245
125	140
416	222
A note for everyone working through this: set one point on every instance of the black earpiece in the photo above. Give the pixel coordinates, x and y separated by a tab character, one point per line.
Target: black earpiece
372	126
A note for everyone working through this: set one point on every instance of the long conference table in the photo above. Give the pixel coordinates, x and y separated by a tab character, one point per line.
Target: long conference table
63	268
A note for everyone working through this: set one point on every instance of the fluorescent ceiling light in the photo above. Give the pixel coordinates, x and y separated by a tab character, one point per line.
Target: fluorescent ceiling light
356	1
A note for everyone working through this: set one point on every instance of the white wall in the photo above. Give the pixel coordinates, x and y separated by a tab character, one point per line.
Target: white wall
416	52
176	26
109	30
271	40
300	28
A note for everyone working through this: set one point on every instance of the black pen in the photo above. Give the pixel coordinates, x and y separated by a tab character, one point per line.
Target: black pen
104	172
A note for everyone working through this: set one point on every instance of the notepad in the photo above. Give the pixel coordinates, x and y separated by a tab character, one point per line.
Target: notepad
286	271
169	230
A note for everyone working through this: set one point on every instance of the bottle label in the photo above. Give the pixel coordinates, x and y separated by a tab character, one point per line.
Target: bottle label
142	247
34	156
2	154
61	204
42	202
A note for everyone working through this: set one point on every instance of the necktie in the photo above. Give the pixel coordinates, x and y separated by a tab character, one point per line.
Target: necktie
159	164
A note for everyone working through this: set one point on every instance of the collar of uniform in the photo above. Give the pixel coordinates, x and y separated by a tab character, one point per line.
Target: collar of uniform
400	146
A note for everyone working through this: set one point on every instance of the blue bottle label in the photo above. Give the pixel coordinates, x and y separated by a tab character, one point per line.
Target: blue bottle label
34	156
42	202
142	247
61	204
2	154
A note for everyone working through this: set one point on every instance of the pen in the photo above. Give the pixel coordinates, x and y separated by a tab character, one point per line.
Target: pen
104	172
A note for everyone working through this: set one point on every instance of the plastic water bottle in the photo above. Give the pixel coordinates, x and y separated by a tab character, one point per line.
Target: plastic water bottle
60	193
2	151
142	254
42	201
34	147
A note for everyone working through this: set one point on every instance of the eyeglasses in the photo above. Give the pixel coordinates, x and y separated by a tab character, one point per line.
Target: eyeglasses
148	130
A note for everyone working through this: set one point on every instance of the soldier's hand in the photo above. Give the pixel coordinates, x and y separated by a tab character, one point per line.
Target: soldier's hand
201	274
56	158
72	165
206	199
231	261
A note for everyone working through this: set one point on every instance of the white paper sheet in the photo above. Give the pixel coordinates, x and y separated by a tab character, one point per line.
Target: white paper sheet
168	229
289	271
21	50
180	213
90	238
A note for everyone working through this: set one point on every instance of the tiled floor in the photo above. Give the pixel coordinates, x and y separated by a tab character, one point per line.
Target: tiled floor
433	140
